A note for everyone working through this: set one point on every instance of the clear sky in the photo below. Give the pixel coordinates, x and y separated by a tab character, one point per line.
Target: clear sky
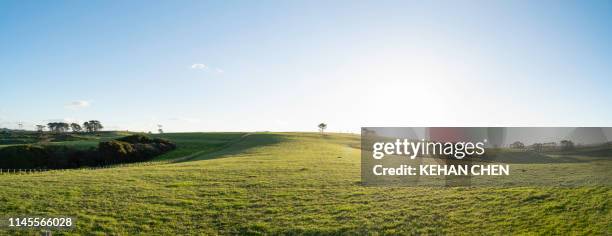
289	65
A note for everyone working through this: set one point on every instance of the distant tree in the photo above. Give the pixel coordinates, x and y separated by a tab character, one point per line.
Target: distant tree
322	127
567	145
40	128
93	126
52	126
76	127
64	127
58	127
87	126
537	147
161	131
97	126
517	145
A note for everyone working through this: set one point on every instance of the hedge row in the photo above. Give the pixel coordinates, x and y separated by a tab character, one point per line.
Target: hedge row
128	149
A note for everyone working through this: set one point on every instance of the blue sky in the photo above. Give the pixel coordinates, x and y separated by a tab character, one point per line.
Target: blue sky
289	65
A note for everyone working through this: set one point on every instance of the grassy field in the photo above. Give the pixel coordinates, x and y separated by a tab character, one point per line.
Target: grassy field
287	183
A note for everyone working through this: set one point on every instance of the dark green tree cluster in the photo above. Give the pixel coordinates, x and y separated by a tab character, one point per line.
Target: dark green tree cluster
135	147
23	156
58	127
61	127
76	127
93	126
124	150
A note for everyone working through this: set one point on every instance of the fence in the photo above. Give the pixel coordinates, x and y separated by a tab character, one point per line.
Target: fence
21	171
108	166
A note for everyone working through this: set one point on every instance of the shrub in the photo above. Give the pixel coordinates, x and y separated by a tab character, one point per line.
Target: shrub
146	151
23	156
136	138
127	149
116	148
164	145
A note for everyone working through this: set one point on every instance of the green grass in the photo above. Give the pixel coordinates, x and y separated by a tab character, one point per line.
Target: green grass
287	183
194	143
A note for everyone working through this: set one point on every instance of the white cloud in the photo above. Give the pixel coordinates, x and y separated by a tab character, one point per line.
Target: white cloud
199	66
204	67
78	104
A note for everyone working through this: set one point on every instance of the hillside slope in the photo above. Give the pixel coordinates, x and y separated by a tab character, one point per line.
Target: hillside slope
287	183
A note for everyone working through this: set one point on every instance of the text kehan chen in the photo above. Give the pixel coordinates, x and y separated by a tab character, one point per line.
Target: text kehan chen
443	170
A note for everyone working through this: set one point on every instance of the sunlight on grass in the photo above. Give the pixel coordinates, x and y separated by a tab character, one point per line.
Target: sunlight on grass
288	183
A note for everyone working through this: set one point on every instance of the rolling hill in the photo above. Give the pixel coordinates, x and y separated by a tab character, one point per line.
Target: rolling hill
286	183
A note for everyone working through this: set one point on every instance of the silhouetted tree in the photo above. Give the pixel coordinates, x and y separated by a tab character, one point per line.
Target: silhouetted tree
97	126
92	126
87	126
63	127
40	128
322	127
76	127
51	126
567	145
58	127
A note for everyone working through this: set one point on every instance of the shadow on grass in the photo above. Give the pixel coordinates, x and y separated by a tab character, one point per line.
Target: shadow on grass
241	145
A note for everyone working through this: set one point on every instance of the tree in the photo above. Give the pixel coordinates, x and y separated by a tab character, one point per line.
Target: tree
63	127
58	127
517	145
76	127
567	145
97	126
87	126
40	128
52	126
322	127
93	126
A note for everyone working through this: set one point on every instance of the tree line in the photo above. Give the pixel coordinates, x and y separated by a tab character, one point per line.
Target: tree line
61	127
